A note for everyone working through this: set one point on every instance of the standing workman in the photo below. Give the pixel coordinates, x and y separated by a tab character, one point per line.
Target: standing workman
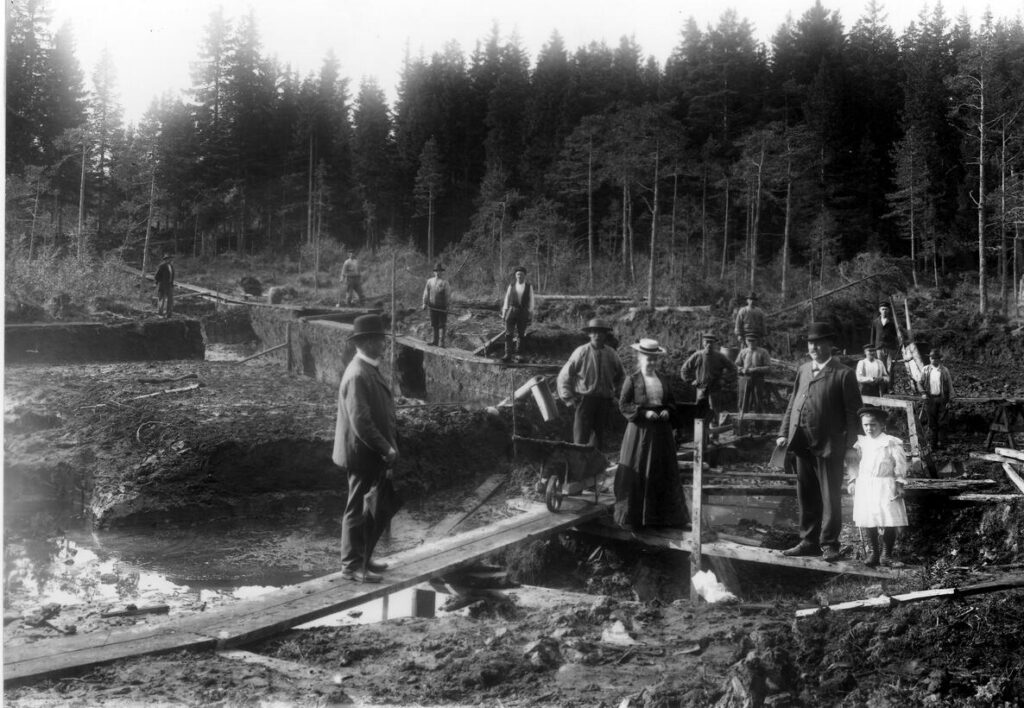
517	312
351	280
937	390
752	365
705	370
751	319
589	382
436	298
872	376
364	444
885	338
819	430
164	279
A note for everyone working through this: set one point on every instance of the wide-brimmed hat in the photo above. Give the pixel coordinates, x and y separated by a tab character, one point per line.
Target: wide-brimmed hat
519	269
649	346
819	330
597	325
368	326
438	267
876	411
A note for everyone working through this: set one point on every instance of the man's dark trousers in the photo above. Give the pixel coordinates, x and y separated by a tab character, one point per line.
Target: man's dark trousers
591	420
819	484
356	545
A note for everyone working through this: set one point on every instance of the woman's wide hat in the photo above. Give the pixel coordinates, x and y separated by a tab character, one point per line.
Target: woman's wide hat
650	347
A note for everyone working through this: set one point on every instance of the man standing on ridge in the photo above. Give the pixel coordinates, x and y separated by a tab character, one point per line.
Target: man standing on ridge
517	312
436	298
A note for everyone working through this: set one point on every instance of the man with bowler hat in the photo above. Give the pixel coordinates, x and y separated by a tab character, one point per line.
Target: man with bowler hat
517	312
820	427
589	382
751	319
436	298
364	444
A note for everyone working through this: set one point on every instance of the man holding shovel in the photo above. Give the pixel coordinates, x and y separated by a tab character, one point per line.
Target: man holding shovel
436	296
364	447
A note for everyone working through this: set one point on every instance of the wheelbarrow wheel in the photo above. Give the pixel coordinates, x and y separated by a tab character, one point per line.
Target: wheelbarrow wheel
553	494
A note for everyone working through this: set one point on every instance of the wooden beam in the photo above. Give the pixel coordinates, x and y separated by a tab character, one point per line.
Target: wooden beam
265	351
1010	583
696	515
774	417
988	498
679	540
1017	480
1017	455
908	409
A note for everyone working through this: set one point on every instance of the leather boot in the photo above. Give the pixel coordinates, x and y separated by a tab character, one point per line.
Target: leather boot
871	549
888	542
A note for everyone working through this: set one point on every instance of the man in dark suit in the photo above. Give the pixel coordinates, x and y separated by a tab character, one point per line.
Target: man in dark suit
165	286
820	427
364	444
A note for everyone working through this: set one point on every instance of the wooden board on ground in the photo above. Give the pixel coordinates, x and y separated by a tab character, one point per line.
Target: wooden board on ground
721	548
275	612
914	487
474	502
1017	480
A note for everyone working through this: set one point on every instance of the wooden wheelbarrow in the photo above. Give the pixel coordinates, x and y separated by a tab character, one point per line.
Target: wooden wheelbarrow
565	468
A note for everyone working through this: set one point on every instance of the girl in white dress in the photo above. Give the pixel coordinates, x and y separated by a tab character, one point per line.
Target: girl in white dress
877	485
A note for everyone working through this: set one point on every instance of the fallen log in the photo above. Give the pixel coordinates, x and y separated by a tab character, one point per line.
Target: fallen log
587	298
917	596
165	392
811	299
265	351
132	611
988	498
168	380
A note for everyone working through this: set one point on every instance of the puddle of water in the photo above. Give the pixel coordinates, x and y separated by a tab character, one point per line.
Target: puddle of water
230	352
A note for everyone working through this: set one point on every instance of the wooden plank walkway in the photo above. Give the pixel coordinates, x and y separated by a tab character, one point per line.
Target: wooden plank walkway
271	614
683	541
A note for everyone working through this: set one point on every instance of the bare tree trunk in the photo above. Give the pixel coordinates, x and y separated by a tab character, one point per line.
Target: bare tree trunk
625	227
654	233
309	191
788	223
1003	246
704	222
982	294
81	203
430	227
672	239
149	222
725	229
757	217
590	212
35	213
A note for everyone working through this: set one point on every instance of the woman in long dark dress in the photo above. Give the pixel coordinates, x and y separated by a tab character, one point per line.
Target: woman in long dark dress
648	488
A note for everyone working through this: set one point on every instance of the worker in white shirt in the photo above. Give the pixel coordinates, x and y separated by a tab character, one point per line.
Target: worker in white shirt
872	375
937	387
517	312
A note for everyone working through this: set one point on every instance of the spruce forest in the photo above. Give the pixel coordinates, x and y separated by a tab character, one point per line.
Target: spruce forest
729	165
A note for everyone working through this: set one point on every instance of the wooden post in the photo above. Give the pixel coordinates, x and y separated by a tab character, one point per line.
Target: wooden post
288	342
695	512
394	323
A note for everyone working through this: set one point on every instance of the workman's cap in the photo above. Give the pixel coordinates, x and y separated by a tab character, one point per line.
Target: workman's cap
597	325
884	304
870	348
752	335
709	337
650	347
519	269
368	326
819	330
751	295
438	267
935	354
874	411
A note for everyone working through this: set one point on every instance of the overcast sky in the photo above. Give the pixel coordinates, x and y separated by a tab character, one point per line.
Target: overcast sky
153	41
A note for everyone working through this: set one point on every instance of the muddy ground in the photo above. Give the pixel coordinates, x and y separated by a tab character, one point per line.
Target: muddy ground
237	441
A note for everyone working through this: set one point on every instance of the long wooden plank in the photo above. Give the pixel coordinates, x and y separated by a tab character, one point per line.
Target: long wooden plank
272	613
683	541
914	486
1010	452
55	657
1017	480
